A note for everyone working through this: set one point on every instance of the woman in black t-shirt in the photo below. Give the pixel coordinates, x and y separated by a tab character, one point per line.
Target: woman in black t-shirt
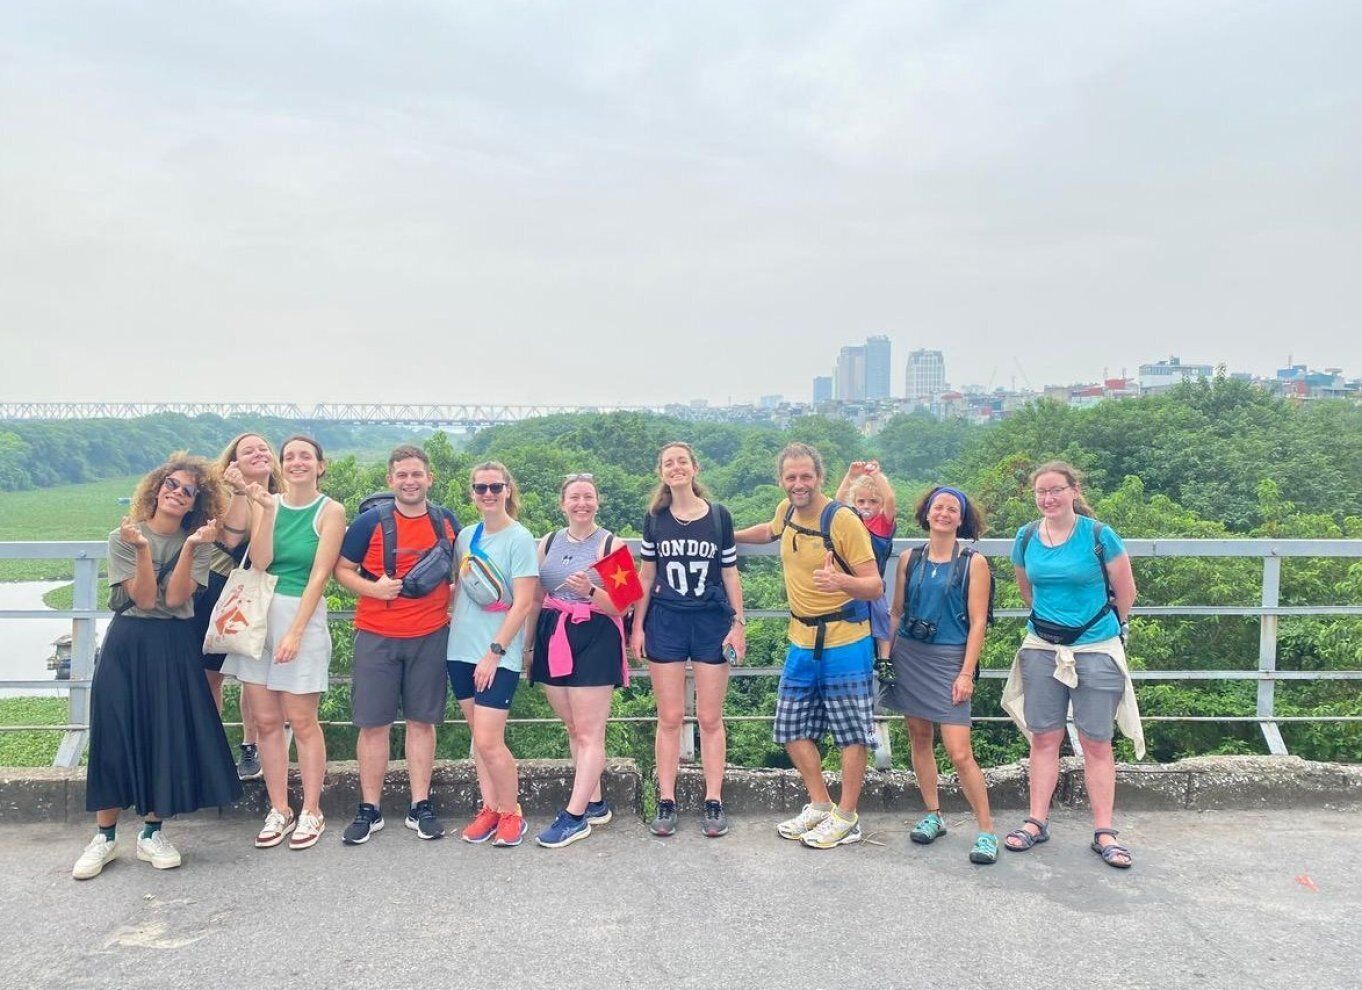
691	610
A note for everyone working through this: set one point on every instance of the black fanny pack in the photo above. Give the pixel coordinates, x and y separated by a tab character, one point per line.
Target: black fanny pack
430	572
1053	632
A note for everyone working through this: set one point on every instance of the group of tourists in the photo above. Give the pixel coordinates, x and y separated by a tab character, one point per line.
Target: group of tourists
472	609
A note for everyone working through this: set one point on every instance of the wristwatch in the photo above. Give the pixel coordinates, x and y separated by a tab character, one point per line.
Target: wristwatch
498	649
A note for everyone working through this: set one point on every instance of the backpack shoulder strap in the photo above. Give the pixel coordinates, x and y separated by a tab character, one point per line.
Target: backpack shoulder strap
387	523
914	555
1027	535
825	531
1100	552
548	540
609	544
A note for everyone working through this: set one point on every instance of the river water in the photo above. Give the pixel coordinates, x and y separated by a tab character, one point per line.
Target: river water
25	644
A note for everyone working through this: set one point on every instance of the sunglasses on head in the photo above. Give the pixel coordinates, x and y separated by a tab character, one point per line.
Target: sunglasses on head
581	476
495	487
172	484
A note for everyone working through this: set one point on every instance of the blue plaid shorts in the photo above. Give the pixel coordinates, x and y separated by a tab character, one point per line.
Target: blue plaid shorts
835	694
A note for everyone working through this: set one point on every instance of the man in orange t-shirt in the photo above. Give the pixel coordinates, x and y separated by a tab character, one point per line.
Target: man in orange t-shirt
400	644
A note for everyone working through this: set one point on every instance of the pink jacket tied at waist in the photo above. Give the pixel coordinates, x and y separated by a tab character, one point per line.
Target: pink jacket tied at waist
560	650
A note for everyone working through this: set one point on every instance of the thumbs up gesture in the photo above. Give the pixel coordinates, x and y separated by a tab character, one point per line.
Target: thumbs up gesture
828	578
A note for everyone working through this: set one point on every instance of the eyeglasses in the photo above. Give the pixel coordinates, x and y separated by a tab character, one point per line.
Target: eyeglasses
583	476
1052	492
495	487
172	484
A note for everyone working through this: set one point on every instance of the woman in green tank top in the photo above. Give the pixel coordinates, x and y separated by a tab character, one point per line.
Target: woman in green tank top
295	536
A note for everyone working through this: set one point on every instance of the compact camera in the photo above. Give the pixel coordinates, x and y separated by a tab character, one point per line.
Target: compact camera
922	630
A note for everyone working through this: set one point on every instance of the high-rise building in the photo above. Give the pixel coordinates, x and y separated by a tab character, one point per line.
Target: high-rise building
926	374
849	385
822	389
877	367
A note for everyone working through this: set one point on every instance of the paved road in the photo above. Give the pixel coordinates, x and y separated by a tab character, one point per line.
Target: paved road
1216	900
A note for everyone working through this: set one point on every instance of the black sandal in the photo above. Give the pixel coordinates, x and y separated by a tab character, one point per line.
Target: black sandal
1026	839
1111	850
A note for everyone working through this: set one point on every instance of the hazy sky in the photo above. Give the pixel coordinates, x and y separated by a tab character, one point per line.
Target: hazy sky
531	202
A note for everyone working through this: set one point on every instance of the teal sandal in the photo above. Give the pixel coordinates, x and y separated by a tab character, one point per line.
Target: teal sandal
1025	840
929	829
985	849
1112	850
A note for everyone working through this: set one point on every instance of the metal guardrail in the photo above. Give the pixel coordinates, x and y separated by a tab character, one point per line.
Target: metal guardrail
85	612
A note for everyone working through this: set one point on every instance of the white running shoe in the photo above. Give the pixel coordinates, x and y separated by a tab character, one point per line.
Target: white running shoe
833	830
158	851
96	854
807	820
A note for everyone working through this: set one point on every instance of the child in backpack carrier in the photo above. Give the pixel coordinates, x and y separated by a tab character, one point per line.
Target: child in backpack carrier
868	491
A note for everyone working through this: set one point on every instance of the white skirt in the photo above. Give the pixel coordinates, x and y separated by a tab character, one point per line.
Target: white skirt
308	672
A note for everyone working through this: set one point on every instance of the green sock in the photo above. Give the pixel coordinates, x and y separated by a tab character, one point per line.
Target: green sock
150	828
108	831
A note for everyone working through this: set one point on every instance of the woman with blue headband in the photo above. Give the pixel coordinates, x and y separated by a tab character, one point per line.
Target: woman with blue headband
941	611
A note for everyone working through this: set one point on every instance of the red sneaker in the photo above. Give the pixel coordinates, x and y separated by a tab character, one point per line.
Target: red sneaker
483	826
511	829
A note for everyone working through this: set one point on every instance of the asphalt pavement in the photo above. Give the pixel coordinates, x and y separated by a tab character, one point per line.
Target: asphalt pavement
1216	899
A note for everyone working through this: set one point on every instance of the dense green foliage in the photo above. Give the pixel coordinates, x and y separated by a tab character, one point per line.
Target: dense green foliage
1209	460
40	454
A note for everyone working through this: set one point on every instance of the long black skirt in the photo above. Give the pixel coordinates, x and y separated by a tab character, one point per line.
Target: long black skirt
156	742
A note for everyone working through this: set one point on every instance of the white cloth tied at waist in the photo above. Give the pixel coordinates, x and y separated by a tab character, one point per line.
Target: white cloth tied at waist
1066	672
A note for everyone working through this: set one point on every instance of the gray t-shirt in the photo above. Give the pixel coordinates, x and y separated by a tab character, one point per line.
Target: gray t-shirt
123	567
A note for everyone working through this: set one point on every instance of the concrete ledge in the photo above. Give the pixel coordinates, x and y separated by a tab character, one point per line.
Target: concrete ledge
1203	783
57	795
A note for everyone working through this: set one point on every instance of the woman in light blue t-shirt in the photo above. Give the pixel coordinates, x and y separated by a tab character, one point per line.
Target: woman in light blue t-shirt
498	572
1074	573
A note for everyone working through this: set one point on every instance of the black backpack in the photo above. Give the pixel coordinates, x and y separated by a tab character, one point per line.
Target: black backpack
960	573
435	564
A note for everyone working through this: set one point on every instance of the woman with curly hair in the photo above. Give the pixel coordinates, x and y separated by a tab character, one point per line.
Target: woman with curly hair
156	743
247	460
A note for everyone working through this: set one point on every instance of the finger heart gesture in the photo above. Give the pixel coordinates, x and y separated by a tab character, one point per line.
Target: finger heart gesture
129	533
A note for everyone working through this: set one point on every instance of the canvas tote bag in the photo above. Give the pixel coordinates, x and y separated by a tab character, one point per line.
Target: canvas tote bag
238	621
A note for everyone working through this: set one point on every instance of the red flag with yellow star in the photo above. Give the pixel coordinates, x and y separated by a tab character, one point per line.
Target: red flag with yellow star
619	578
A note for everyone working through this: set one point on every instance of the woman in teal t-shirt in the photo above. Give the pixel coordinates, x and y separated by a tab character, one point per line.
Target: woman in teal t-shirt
1074	573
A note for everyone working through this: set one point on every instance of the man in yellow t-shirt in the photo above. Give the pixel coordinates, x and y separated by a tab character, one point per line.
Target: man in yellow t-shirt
827	682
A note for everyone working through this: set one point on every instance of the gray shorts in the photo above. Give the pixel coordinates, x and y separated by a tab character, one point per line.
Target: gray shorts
389	672
1101	685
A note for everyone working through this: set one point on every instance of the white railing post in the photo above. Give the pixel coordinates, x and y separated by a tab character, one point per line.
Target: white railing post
1267	656
83	634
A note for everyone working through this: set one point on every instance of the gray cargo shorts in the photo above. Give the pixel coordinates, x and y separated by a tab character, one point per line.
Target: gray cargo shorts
408	673
1101	685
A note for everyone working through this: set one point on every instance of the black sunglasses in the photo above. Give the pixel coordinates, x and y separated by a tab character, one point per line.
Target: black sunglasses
495	487
172	484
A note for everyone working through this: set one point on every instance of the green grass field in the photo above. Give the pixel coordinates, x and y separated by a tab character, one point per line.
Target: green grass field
68	512
30	749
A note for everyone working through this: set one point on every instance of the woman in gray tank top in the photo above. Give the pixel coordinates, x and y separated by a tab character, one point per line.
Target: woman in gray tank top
578	652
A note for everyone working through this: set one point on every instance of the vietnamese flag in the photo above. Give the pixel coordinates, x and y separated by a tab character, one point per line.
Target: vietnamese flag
619	578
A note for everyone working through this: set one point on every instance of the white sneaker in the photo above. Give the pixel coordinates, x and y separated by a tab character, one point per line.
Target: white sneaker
158	851
833	830
807	820
96	854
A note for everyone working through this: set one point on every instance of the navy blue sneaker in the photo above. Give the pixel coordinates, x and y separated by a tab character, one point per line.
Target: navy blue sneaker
599	813
564	831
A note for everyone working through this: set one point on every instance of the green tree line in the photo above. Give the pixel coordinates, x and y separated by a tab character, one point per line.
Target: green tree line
1216	459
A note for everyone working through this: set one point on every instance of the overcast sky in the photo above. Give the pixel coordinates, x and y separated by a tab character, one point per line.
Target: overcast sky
648	203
